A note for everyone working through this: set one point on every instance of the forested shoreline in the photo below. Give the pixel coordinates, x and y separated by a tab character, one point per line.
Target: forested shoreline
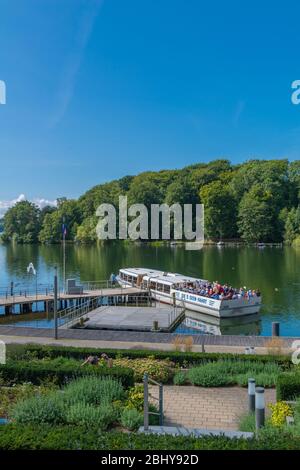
256	201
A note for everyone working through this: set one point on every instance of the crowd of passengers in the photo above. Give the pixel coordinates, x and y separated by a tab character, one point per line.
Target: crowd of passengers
217	291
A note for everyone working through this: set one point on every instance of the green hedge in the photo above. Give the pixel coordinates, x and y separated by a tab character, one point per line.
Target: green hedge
176	356
288	386
23	437
39	371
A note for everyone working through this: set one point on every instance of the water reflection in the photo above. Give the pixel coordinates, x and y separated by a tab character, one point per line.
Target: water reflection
197	323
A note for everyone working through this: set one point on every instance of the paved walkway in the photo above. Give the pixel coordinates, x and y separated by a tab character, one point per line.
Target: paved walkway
137	336
208	408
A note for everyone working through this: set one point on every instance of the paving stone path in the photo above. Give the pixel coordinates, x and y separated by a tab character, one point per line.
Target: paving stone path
136	336
208	408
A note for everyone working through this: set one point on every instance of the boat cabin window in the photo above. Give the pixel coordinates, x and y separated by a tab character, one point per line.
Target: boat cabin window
128	278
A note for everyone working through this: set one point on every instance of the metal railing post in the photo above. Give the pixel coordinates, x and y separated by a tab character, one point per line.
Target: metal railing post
146	403
161	405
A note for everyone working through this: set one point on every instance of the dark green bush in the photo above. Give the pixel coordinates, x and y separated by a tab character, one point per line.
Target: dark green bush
181	358
288	386
19	437
37	372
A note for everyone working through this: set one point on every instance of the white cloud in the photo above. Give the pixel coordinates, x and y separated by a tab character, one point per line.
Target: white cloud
40	202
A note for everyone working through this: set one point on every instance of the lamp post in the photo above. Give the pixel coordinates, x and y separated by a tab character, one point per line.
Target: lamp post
55	304
251	395
259	407
64	233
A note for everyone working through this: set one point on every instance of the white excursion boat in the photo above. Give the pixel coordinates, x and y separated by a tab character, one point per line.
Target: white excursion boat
194	294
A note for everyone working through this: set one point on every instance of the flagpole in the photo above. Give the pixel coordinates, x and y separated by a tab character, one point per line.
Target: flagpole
64	263
64	255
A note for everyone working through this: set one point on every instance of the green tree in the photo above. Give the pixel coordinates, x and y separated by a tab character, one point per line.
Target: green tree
21	222
86	232
257	217
292	225
69	212
219	209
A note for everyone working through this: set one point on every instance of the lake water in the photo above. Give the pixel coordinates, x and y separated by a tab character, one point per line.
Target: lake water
275	271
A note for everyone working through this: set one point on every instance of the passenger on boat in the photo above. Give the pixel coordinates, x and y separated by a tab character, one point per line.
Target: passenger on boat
218	291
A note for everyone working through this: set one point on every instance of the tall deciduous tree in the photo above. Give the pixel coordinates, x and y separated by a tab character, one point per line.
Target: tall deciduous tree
21	222
257	220
219	209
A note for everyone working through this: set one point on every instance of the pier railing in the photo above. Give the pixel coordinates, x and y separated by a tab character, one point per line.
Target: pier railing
159	399
176	314
18	290
71	315
99	285
15	291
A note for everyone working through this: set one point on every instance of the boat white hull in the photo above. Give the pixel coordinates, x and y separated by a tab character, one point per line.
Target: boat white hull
217	308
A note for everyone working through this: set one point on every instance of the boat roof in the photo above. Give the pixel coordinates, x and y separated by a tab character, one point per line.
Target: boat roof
160	276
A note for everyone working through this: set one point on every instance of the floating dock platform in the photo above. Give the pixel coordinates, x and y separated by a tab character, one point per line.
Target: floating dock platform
134	318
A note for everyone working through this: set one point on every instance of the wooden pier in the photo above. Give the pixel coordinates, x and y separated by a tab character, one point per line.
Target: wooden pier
25	301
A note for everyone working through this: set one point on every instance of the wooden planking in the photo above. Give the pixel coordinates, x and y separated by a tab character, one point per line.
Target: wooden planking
107	292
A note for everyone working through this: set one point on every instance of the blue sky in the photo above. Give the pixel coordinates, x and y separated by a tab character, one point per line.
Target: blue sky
100	89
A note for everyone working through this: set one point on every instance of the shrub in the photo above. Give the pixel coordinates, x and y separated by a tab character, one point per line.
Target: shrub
274	346
43	437
37	410
216	374
180	378
135	399
262	379
177	342
161	371
188	342
288	386
208	376
280	411
87	415
10	395
39	371
93	390
131	419
177	356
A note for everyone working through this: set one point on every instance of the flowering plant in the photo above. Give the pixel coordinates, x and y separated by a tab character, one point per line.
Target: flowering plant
279	413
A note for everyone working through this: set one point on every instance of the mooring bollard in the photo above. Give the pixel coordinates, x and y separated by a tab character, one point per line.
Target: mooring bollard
251	395
146	403
275	328
259	407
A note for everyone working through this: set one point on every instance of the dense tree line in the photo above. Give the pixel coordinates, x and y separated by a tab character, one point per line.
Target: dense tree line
257	201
